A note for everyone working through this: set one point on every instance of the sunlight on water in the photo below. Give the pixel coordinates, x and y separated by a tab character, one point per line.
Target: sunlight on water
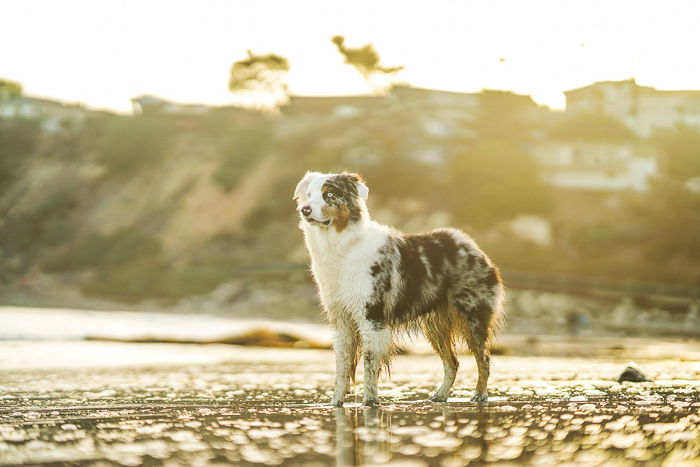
272	412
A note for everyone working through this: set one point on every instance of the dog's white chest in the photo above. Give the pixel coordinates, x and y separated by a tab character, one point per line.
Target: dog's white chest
342	269
342	280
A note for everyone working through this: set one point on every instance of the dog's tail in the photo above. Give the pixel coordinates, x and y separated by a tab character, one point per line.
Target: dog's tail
479	322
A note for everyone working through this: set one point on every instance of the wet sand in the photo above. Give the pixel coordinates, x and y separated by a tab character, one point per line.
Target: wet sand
251	406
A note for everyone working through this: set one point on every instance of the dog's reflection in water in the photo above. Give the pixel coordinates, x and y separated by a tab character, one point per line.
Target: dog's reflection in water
364	436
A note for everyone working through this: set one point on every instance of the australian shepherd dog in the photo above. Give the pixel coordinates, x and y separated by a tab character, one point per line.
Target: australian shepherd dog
375	282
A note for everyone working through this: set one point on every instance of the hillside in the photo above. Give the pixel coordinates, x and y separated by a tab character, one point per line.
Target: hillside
168	206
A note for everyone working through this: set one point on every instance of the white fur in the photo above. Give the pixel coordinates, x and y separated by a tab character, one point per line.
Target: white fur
339	265
308	192
343	263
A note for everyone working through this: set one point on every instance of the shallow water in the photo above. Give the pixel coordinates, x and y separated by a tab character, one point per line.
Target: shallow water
263	406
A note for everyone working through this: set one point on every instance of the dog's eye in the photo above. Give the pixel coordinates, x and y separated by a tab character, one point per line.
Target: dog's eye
329	195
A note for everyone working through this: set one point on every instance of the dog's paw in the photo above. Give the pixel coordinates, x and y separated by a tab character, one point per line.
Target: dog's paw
437	398
370	402
480	397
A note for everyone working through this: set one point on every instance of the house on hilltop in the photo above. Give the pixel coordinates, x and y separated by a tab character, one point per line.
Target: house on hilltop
52	114
429	125
338	106
596	165
149	104
641	108
441	114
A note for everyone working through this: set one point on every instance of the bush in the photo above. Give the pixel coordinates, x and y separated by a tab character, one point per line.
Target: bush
682	147
195	280
148	278
48	224
78	140
592	126
503	115
496	181
128	268
131	282
18	140
670	214
604	238
247	144
127	247
82	255
132	142
106	252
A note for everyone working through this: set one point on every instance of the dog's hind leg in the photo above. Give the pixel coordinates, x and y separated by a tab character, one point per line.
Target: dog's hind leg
376	349
480	317
482	354
438	329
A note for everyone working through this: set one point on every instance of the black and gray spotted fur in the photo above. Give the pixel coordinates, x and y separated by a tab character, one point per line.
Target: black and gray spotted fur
439	282
443	283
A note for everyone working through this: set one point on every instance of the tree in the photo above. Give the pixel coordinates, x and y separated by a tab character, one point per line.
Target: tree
365	60
9	89
670	215
497	181
19	138
246	145
129	143
682	147
503	115
260	78
592	126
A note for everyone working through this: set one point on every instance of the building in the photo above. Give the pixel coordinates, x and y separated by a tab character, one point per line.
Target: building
442	114
52	114
596	166
149	104
324	106
641	108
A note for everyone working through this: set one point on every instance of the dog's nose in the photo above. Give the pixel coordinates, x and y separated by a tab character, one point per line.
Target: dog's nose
306	211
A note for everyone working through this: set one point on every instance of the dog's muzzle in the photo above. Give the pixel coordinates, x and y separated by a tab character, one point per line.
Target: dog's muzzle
325	223
306	212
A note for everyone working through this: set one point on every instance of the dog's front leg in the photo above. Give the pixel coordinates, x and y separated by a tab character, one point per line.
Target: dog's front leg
376	343
345	343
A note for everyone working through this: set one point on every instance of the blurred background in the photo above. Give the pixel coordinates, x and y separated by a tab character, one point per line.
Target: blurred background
149	151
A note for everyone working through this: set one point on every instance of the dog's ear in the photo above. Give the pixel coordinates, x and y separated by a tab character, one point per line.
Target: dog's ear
303	185
362	188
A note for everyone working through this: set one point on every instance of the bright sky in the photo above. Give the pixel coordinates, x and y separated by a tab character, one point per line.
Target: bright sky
105	52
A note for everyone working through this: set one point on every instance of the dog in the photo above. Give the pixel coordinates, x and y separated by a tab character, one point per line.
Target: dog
375	282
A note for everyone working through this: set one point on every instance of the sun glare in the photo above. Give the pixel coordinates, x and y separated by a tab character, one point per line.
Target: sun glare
105	53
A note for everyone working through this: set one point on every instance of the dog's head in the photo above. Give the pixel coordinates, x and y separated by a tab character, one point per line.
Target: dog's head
325	200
